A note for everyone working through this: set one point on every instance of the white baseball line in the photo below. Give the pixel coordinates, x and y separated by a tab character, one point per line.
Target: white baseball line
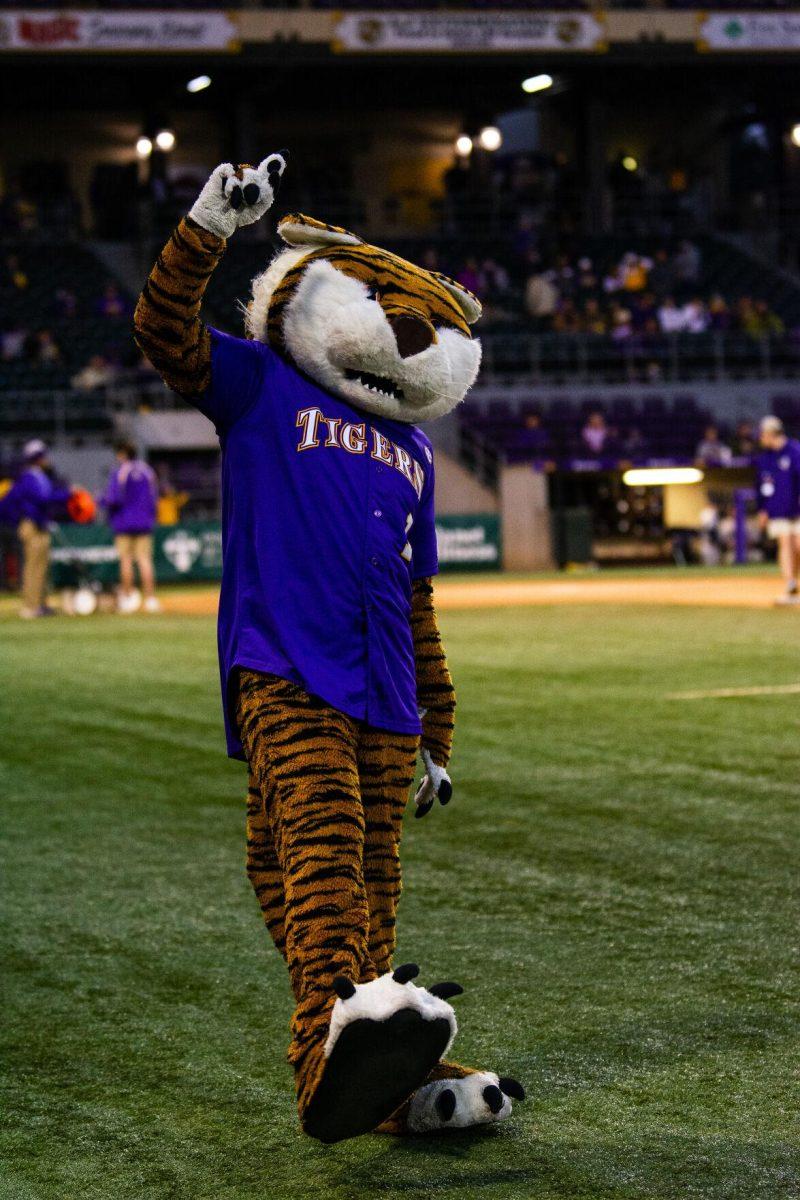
783	689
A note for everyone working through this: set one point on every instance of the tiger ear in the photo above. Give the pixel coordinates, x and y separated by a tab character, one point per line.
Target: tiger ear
467	301
299	230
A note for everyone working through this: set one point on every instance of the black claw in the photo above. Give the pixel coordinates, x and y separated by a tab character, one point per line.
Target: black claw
236	198
445	791
344	987
445	990
423	809
405	972
511	1087
493	1097
284	155
446	1104
251	193
225	179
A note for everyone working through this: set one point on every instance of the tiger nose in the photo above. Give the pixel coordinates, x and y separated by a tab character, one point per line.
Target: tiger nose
412	334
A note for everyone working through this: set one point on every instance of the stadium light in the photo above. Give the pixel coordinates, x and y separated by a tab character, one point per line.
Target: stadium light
630	163
490	138
657	476
795	135
199	83
463	146
165	140
144	147
537	83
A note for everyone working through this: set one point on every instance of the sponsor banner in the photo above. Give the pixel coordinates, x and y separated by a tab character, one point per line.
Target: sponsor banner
446	32
192	550
468	543
749	31
142	30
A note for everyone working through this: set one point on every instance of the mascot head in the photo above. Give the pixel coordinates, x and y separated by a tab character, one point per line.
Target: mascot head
371	328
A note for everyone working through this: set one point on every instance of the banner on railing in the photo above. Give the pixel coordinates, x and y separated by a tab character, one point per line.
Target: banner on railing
120	31
468	543
749	31
193	550
443	32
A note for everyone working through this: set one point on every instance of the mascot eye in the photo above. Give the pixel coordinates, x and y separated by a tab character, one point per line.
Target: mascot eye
373	294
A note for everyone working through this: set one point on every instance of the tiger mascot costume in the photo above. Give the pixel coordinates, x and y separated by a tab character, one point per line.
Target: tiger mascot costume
332	668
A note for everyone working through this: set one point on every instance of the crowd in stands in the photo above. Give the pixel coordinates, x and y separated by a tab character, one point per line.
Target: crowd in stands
27	342
637	295
607	434
619	302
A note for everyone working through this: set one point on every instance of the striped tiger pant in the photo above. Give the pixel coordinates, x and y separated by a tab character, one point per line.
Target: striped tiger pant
325	806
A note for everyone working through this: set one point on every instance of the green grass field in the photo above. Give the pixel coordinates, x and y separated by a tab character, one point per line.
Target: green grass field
615	883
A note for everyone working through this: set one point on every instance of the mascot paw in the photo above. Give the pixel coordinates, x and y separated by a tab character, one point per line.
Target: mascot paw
236	196
478	1099
385	1037
436	784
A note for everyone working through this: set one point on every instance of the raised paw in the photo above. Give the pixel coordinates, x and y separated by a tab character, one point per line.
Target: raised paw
382	998
481	1098
237	196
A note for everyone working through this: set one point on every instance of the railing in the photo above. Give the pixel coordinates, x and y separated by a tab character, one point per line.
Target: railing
56	412
510	356
585	358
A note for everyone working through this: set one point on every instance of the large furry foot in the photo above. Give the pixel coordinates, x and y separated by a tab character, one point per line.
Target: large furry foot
384	1039
478	1099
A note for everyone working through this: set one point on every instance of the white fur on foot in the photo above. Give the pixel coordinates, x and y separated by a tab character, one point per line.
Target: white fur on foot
470	1106
380	999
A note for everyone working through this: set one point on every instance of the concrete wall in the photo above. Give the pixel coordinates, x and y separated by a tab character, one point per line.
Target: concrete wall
457	491
525	512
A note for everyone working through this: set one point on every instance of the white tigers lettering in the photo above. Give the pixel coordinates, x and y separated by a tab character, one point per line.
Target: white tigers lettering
352	437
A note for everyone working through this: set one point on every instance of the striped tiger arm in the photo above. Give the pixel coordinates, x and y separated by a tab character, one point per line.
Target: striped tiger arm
167	324
435	692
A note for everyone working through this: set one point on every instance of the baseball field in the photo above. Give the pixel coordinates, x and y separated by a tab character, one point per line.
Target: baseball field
615	884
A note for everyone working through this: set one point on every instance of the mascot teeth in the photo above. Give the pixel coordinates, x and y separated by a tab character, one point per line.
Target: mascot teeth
376	383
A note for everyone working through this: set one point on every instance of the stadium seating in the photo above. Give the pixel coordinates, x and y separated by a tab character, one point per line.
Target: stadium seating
668	430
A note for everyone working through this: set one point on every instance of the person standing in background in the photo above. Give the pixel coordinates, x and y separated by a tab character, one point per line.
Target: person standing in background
130	500
778	469
29	504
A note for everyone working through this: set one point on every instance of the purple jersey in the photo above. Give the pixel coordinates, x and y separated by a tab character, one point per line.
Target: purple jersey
327	516
779	480
131	498
32	496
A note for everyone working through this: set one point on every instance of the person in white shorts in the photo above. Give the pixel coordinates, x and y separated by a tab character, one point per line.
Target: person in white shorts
130	499
778	468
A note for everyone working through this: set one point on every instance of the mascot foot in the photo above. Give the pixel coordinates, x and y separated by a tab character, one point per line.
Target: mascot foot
385	1037
478	1099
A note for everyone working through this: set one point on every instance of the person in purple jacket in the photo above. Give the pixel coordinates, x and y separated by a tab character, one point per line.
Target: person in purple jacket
29	505
130	500
778	468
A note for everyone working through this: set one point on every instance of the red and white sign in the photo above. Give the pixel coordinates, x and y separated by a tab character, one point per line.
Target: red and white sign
75	29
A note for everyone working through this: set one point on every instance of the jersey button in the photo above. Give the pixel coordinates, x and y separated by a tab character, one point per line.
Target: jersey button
377	513
376	562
